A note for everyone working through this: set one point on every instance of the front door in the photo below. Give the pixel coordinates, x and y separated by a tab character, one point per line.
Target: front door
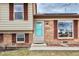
39	32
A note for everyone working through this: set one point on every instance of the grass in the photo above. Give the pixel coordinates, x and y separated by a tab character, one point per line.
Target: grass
26	52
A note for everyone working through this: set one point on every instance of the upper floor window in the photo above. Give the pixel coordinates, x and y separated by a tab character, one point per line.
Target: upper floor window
43	8
18	11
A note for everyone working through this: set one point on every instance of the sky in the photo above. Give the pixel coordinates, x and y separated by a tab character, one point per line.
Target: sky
58	8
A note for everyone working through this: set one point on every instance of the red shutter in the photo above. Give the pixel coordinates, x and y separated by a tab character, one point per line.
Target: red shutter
75	29
1	38
13	38
25	11
26	37
10	11
55	29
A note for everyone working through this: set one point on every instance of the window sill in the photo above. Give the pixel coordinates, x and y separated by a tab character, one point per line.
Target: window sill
64	38
20	42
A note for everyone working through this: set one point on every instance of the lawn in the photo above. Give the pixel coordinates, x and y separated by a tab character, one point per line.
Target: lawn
26	52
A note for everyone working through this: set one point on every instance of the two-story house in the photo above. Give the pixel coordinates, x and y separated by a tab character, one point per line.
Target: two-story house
20	25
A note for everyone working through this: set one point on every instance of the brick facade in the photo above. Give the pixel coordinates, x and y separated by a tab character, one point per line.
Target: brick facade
7	40
49	31
49	35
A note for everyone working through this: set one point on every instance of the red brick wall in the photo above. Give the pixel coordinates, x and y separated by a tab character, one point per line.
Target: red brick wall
51	33
9	39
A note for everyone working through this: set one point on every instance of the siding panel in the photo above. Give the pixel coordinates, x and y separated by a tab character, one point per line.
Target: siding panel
5	24
4	12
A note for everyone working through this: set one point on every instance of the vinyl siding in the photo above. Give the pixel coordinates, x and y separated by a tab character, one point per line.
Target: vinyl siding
4	12
34	8
48	19
6	24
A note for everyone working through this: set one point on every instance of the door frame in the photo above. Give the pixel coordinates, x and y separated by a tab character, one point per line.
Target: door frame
34	36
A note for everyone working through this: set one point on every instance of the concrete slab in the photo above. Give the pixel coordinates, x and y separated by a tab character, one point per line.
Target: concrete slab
54	48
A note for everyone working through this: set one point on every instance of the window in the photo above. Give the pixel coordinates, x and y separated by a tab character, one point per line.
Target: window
65	29
57	8
20	38
18	11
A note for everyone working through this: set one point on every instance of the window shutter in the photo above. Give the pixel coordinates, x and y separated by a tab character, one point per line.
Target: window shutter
25	11
13	38
10	11
26	37
1	38
55	29
75	29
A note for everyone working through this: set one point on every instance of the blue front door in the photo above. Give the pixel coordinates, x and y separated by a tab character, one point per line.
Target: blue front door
39	31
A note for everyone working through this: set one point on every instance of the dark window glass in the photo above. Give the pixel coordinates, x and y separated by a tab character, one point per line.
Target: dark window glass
18	15
18	11
20	37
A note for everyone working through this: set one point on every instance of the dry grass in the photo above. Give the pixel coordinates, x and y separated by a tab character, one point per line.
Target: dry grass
26	52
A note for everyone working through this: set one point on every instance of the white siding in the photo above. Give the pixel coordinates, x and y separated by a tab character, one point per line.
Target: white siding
56	19
4	12
6	24
34	9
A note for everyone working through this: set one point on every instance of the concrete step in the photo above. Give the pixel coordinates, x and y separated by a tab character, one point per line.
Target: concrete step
54	48
65	45
38	45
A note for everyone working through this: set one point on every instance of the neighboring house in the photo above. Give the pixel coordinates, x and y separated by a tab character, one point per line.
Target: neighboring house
21	26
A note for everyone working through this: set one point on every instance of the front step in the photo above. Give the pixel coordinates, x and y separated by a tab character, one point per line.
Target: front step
65	45
38	45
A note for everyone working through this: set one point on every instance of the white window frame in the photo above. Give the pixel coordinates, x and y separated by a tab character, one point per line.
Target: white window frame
20	41
22	12
72	29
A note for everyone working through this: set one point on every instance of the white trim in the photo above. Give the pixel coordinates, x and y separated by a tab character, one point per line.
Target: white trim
20	41
14	12
72	29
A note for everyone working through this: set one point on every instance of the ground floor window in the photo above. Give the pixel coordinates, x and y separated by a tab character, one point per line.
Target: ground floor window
20	37
65	29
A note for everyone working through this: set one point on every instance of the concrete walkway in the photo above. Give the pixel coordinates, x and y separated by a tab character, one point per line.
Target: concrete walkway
45	47
54	48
